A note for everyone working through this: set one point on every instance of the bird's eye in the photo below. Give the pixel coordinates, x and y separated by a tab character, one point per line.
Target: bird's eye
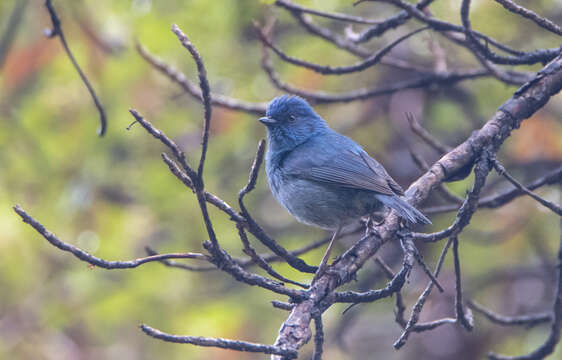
292	118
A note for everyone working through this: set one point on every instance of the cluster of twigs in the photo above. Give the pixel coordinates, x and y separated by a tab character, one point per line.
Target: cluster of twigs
308	302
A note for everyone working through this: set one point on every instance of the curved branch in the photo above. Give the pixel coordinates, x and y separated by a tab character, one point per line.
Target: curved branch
220	343
526	13
57	31
93	260
336	70
295	331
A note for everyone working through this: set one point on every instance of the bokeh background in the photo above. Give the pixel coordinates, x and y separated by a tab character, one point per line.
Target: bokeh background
113	195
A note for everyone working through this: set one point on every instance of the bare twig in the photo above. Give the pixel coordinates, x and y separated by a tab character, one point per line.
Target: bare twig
179	265
256	258
282	305
57	31
526	13
192	89
495	201
421	300
441	188
220	343
550	205
289	5
464	318
518	57
335	70
393	286
469	206
425	135
520	320
345	44
539	56
390	23
446	79
93	260
205	94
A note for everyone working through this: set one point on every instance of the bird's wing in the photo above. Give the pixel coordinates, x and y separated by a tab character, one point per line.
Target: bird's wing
345	166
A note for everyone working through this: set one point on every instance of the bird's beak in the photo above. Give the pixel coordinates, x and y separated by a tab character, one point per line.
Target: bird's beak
267	120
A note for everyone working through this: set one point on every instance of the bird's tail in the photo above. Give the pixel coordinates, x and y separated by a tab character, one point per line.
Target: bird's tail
404	209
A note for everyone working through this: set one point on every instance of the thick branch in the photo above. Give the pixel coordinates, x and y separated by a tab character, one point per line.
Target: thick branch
295	331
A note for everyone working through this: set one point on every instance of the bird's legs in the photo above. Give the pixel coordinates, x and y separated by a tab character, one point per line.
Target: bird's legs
324	262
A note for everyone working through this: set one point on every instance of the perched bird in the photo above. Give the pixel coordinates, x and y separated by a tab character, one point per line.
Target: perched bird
324	178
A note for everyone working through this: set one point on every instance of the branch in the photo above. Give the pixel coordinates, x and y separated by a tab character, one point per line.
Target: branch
335	70
518	58
470	204
205	94
393	286
526	13
550	205
522	320
57	31
426	80
289	5
538	56
495	201
91	259
416	310
295	332
417	129
390	23
192	89
220	343
464	318
344	44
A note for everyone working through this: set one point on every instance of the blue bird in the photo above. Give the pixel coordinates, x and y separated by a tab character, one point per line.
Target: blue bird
324	178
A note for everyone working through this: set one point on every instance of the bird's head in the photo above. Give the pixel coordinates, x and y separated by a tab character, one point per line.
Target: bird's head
290	121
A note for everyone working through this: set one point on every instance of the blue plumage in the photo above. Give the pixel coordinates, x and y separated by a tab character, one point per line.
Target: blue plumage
321	177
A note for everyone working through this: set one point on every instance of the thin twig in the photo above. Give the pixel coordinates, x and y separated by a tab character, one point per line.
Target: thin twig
189	87
550	205
205	94
93	260
399	307
179	265
390	23
539	56
495	201
220	343
416	310
426	80
289	5
57	31
318	337
256	258
464	318
526	13
425	135
335	70
520	320
282	305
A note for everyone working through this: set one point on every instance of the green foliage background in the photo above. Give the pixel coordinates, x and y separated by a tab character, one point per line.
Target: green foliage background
113	195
